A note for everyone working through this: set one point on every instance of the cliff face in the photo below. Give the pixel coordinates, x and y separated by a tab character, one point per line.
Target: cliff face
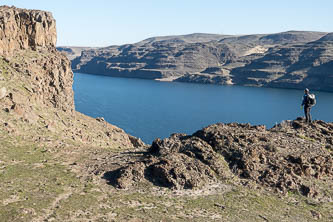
23	29
288	60
292	66
36	85
27	43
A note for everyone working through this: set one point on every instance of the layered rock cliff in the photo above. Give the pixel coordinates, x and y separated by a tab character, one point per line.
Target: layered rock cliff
36	85
23	29
293	59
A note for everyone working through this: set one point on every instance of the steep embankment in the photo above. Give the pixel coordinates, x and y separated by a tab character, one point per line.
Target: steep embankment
293	59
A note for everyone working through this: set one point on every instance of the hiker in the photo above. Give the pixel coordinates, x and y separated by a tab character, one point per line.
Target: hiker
309	100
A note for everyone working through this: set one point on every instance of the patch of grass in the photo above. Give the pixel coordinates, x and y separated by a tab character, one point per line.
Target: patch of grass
306	138
30	182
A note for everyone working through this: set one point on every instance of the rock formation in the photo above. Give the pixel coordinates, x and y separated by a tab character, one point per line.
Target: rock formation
23	29
292	156
291	59
73	52
36	84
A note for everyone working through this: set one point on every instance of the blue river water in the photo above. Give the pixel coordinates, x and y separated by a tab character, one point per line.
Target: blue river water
150	109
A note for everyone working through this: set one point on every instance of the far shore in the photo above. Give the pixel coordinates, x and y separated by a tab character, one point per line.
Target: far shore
167	79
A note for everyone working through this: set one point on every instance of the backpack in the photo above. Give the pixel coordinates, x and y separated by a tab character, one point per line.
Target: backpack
312	99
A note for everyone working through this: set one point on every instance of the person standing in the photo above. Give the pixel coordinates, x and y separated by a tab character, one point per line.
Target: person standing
309	100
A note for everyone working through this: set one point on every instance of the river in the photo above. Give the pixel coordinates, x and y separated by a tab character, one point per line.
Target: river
150	109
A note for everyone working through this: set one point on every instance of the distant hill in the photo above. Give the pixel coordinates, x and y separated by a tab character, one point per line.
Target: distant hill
292	59
190	38
73	51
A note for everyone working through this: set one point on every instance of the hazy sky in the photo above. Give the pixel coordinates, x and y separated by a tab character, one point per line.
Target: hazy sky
112	22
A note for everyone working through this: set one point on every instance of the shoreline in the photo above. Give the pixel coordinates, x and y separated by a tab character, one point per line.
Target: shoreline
167	79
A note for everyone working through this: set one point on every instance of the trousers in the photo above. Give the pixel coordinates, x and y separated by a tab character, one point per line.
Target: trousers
307	110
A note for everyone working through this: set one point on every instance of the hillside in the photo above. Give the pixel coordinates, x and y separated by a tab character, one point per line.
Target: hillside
74	51
293	59
59	165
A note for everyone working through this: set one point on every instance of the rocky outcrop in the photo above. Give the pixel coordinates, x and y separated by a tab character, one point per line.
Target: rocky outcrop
36	95
292	156
31	34
292	66
292	59
26	29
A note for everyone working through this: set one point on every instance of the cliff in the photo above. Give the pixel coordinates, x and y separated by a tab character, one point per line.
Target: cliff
59	165
22	29
36	80
293	59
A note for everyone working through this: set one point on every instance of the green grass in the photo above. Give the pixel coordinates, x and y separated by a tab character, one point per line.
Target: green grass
32	179
306	138
29	179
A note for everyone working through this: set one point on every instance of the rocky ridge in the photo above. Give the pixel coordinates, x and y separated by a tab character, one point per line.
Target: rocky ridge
73	52
290	157
293	59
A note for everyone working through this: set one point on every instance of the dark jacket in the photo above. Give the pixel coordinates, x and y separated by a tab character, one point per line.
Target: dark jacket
306	100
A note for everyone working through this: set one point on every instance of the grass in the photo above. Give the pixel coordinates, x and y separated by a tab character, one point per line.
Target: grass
38	183
306	138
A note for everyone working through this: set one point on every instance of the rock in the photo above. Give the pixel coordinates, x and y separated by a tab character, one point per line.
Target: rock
3	93
250	153
137	142
40	81
25	29
293	59
316	215
51	77
133	173
18	109
100	119
180	162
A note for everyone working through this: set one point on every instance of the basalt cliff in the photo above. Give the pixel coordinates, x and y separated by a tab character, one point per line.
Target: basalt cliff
293	59
59	165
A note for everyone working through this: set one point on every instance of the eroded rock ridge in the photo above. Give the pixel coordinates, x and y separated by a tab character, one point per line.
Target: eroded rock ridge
293	59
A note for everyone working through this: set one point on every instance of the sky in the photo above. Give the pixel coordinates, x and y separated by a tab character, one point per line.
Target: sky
115	22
